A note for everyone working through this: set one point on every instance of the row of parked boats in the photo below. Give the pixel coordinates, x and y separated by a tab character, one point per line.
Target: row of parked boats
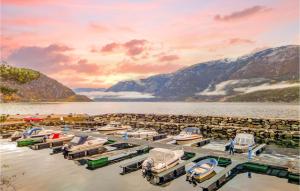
159	159
188	135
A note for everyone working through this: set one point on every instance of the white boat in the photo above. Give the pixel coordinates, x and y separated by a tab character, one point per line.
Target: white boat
113	127
243	141
140	133
16	135
188	135
36	132
89	143
59	136
202	170
160	159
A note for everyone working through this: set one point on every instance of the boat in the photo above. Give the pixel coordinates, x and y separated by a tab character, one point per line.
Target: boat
16	135
242	141
37	132
140	133
161	159
113	127
33	136
30	119
58	136
79	143
202	170
188	135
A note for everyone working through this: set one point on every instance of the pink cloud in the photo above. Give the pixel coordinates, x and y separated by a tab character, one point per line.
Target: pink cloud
98	28
130	67
50	59
132	48
27	2
135	47
237	41
22	21
110	47
168	58
241	14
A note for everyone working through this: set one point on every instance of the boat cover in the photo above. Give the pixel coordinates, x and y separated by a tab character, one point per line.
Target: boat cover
77	140
244	139
160	155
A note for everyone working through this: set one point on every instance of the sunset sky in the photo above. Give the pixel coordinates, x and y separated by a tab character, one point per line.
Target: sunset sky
93	43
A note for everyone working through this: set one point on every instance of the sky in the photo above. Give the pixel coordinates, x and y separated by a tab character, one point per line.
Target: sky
95	43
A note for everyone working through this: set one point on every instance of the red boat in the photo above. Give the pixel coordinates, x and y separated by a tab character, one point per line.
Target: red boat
32	119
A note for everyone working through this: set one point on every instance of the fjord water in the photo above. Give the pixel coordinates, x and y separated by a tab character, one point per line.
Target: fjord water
37	170
256	110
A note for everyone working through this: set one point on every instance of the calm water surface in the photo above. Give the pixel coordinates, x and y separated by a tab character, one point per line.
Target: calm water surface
258	110
37	170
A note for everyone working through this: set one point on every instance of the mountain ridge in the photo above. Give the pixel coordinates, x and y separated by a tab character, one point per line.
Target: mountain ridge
269	66
26	85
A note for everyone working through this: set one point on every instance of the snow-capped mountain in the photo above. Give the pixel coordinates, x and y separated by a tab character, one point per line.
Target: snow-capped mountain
268	69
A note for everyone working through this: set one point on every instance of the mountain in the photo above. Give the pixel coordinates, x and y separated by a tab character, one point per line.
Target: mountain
22	85
79	90
219	80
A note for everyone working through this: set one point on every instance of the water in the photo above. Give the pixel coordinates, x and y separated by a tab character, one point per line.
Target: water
37	170
256	110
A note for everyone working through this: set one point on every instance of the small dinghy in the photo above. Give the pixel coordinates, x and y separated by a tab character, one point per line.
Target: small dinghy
113	127
188	135
202	170
160	160
243	141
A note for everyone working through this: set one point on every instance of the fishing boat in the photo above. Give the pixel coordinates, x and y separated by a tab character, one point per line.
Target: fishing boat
140	133
161	159
202	170
113	127
243	141
79	143
188	135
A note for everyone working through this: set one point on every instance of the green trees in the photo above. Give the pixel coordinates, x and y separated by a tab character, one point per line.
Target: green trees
20	75
7	91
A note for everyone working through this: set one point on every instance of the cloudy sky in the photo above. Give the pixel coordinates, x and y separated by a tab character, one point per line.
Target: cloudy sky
94	43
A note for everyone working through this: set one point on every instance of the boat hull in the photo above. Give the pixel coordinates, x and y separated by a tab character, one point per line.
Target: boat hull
112	131
187	141
156	171
204	177
241	149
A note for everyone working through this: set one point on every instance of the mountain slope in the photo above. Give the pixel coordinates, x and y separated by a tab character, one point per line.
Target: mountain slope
20	84
214	80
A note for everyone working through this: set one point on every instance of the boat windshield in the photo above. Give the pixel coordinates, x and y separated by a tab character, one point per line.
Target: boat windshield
75	140
192	130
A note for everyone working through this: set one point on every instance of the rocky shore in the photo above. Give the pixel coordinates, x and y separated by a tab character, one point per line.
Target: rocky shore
279	131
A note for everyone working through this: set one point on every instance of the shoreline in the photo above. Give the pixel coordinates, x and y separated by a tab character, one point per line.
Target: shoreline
283	132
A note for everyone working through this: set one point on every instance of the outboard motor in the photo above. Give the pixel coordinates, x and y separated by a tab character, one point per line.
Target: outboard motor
65	150
146	168
191	179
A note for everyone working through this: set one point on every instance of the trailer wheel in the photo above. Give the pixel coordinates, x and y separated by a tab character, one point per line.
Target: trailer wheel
175	174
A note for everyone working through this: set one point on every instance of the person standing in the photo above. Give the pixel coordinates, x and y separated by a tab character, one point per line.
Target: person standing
231	146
